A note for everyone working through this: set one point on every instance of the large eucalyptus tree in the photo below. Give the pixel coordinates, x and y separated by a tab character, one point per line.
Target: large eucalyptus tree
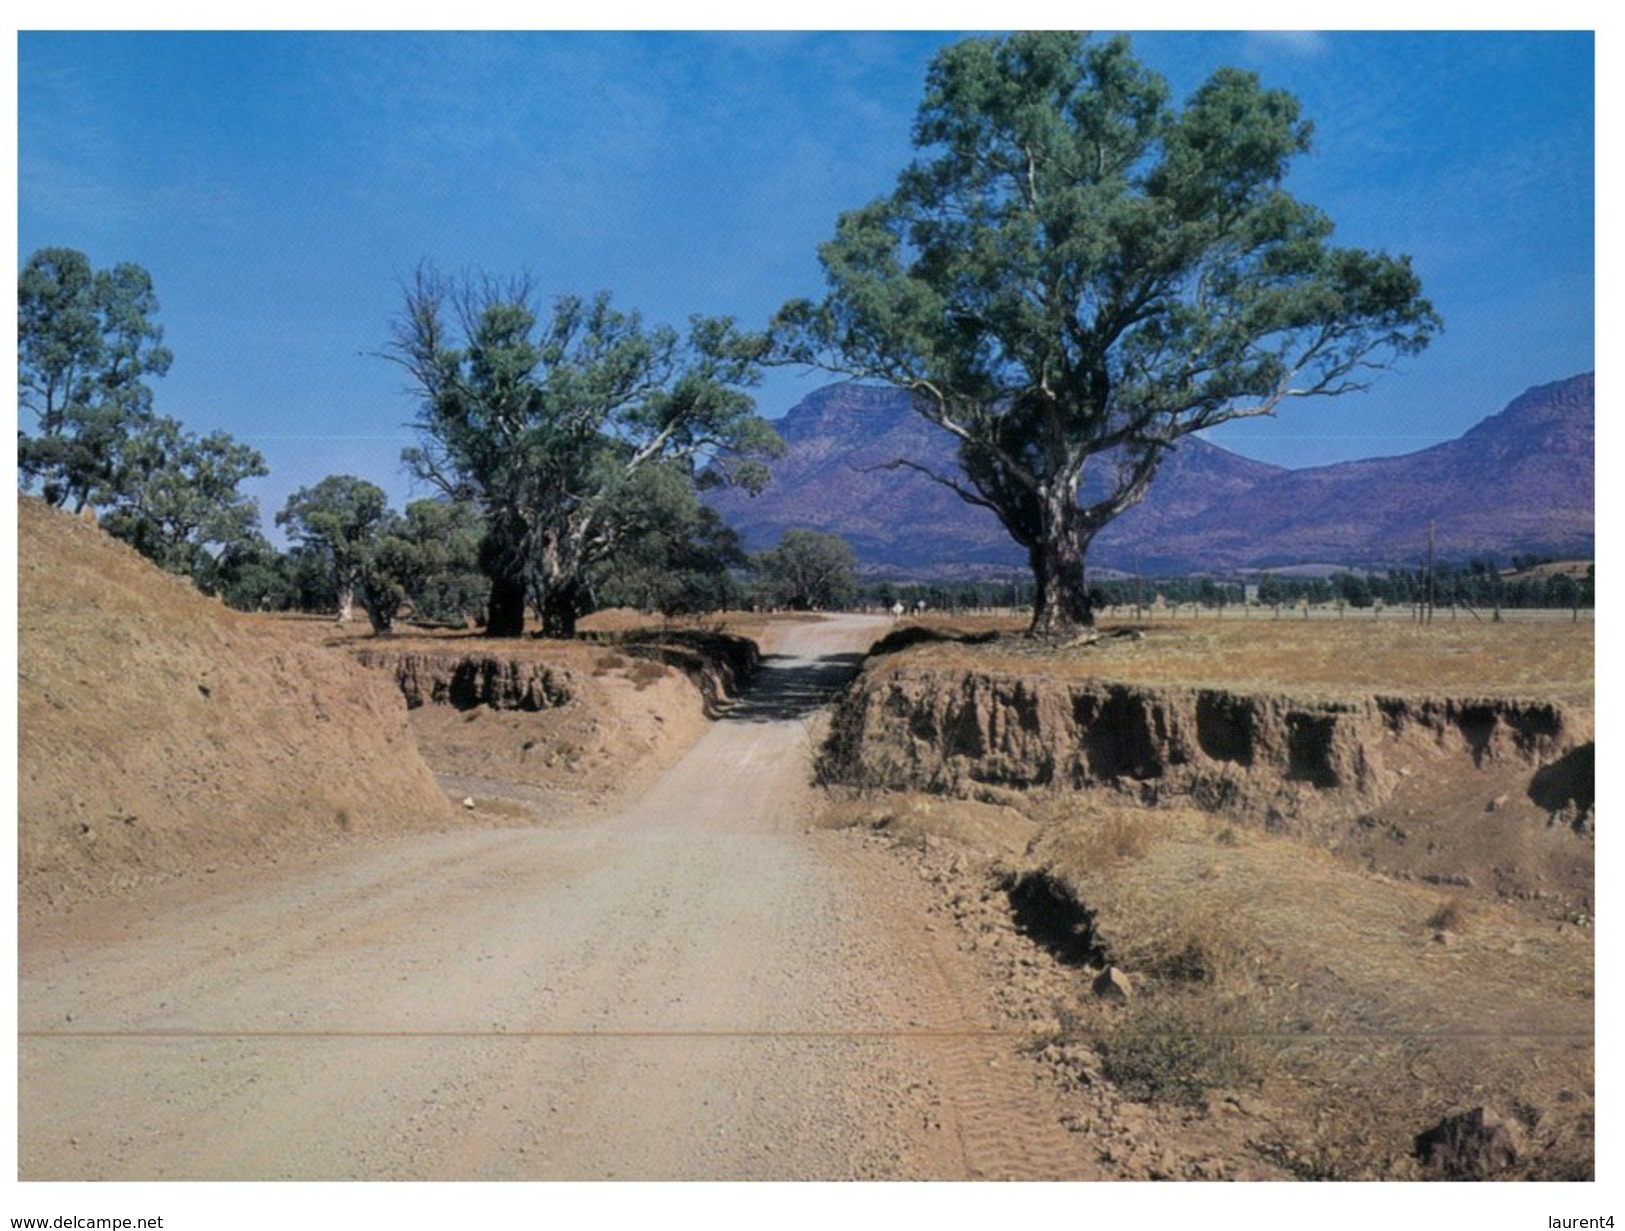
547	420
1075	274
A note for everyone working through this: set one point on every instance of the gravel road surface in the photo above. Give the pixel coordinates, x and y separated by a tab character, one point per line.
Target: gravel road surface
701	986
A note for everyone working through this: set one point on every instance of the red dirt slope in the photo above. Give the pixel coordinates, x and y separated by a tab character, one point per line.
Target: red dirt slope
160	734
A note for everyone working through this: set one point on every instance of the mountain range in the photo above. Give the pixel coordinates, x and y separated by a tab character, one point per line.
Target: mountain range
1521	481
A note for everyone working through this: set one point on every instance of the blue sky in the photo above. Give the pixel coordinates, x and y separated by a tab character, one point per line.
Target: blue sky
279	187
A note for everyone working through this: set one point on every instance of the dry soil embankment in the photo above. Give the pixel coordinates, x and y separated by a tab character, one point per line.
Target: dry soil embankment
717	665
1296	758
160	735
1472	790
541	728
242	1030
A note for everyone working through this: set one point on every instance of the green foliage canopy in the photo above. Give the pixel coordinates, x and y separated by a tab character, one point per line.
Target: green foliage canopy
339	519
546	421
808	570
85	342
676	555
444	582
173	496
428	558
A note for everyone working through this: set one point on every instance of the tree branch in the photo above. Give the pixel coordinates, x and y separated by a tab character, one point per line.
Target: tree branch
903	463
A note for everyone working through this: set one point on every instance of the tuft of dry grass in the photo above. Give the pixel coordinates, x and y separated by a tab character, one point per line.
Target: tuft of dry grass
1188	929
645	672
912	819
1203	943
1083	838
1171	1048
1450	917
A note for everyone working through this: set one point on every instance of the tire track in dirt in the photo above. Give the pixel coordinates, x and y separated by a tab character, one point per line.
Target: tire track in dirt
1006	1118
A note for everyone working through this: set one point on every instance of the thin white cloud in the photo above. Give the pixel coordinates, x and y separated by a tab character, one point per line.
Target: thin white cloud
1305	44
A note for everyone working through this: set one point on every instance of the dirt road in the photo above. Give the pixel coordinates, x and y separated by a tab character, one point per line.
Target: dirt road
698	987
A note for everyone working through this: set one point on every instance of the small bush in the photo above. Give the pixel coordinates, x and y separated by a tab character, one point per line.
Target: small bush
1450	917
1161	1052
1123	835
1198	944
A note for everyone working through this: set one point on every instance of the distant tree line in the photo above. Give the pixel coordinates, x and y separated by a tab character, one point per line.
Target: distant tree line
1478	584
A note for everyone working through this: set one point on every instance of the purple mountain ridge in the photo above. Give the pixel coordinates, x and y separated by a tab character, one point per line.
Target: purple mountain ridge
1522	480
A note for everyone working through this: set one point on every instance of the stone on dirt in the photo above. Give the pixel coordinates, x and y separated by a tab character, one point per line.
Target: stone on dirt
1113	984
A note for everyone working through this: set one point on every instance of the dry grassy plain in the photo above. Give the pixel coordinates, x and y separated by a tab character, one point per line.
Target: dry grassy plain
1526	654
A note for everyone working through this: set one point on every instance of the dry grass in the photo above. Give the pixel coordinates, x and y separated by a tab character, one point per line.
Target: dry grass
914	819
1172	1048
1263	960
645	673
1184	929
1525	657
1082	835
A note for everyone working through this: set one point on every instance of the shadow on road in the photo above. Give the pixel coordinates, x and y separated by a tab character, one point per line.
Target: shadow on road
789	688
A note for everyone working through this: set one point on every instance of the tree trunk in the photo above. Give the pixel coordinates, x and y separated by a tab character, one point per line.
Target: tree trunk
561	595
346	603
1061	606
505	615
560	608
503	559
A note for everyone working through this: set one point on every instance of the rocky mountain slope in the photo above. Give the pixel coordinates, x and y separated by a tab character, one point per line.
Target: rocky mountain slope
1520	481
